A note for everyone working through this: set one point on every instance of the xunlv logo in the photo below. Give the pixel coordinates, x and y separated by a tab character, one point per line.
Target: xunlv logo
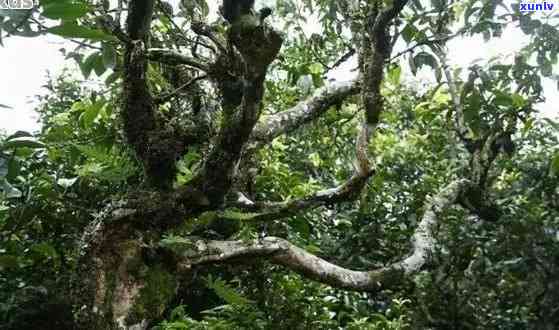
532	6
16	4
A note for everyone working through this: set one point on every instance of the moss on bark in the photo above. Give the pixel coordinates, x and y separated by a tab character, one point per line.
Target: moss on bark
159	289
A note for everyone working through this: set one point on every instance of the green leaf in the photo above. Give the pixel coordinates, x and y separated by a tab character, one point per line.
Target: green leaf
234	215
518	101
91	112
73	30
99	66
546	68
14	168
94	62
316	68
87	66
65	10
227	293
204	8
552	123
528	25
178	313
109	55
45	250
177	244
394	75
301	226
25	141
409	32
5	106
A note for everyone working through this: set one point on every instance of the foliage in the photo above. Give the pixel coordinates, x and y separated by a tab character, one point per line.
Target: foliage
241	313
488	274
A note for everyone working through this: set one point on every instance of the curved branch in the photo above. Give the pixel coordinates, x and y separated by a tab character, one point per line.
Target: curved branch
304	112
268	211
281	252
346	192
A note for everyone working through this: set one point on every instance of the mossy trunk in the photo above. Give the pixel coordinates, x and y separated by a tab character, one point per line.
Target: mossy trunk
121	283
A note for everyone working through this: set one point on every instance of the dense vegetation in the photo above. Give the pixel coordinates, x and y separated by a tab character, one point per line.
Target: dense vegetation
218	180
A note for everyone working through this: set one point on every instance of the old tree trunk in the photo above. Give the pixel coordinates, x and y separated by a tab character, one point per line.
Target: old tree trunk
129	269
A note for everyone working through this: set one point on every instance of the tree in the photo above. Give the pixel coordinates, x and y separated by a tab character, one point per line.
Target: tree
178	165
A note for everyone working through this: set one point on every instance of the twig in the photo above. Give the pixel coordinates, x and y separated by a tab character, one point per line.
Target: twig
165	98
422	43
80	43
342	59
204	30
181	32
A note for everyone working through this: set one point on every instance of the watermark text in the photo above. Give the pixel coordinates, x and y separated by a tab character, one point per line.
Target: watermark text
17	4
525	6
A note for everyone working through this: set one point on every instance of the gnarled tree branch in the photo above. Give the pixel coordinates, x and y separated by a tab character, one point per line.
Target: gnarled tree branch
257	46
281	252
483	150
374	52
373	57
304	112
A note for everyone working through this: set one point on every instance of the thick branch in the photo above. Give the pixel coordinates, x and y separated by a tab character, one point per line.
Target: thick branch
138	111
157	145
281	252
139	18
259	45
170	57
375	51
304	112
216	176
387	15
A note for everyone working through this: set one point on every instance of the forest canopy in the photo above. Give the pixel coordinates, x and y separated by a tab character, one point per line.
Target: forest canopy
227	174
